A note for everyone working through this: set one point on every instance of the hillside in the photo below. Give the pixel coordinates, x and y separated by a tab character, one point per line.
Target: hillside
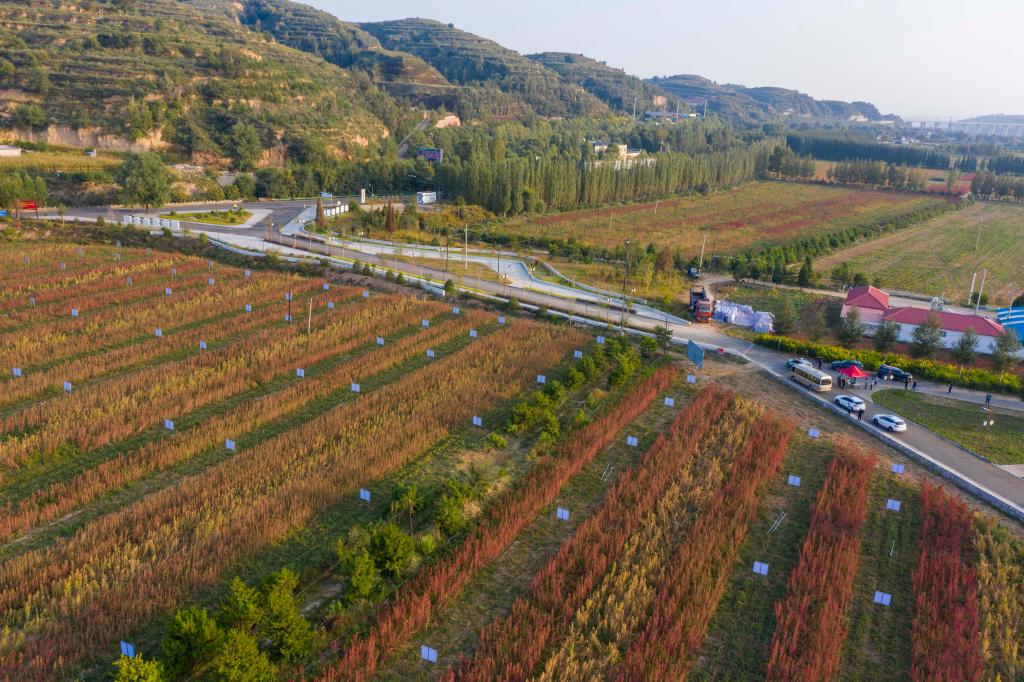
753	106
614	87
131	75
995	118
338	42
500	83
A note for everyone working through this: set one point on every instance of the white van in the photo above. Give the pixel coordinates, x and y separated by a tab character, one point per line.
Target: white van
813	379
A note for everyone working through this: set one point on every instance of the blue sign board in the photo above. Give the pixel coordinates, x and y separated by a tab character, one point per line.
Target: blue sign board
695	354
127	649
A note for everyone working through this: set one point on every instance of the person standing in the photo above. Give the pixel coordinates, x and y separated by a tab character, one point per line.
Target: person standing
915	385
950	390
906	383
988	400
860	414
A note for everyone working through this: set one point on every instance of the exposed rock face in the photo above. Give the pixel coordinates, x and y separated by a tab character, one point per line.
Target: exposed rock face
89	137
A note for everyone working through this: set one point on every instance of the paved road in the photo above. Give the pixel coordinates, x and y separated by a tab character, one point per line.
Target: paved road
997	480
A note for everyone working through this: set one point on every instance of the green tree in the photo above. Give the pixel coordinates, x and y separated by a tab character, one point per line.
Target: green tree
850	328
1004	355
392	549
362	575
406	499
786	319
886	336
812	321
192	637
145	180
245	186
240	660
137	669
321	217
244	146
661	333
289	632
965	346
29	116
449	288
243	607
927	337
806	276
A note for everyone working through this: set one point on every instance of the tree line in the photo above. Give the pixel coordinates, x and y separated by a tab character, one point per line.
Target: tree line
877	174
523	185
992	186
835	147
1006	164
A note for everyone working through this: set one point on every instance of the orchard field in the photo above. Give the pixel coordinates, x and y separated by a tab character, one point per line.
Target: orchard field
938	257
523	501
752	216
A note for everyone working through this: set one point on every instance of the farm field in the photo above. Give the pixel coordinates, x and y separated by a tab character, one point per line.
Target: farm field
752	216
58	162
938	257
393	514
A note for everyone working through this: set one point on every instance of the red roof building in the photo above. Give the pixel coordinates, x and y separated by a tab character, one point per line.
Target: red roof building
871	303
950	322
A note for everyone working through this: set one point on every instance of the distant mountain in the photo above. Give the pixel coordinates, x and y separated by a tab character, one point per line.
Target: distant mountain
614	87
995	118
497	82
132	74
753	106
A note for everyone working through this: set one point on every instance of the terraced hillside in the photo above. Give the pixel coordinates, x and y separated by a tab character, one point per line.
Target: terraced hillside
614	87
503	82
148	74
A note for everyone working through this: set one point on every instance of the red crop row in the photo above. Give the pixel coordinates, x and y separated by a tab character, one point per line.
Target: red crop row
53	340
100	280
418	600
44	272
811	620
127	467
513	647
121	571
699	572
946	640
110	290
114	410
149	347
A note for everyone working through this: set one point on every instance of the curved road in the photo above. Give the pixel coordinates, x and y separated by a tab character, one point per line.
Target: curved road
995	479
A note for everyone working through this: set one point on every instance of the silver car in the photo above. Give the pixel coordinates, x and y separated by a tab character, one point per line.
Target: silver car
889	422
850	403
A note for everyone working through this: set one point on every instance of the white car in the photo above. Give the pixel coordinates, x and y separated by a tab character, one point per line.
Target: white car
889	422
850	403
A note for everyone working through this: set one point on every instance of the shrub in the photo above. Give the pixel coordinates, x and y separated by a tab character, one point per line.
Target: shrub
497	440
392	549
921	368
240	660
192	637
137	670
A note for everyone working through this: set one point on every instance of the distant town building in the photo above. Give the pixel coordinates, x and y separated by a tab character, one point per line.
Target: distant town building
8	150
432	154
450	121
667	116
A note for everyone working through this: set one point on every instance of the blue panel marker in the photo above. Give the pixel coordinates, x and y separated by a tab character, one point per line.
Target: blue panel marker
74	312
578	354
355	388
670	401
202	345
600	339
168	424
472	333
248	307
330	305
127	649
541	379
425	323
230	445
167	291
67	387
300	373
158	333
380	340
16	371
364	494
501	319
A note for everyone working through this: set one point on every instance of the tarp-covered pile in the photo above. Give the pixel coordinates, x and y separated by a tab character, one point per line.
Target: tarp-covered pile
743	316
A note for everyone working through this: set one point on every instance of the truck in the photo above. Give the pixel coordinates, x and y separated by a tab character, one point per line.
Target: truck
701	305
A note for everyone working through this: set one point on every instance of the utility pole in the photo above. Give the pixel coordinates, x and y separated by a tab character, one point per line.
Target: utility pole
309	320
980	291
701	263
971	295
465	251
625	275
977	240
634	109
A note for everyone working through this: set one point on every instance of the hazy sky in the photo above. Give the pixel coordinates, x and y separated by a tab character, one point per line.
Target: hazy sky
915	58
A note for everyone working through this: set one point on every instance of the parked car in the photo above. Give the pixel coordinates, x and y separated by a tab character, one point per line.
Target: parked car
850	403
793	362
889	422
895	373
843	364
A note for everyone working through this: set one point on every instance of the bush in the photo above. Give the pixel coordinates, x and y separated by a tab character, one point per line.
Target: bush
192	637
240	660
497	440
392	549
980	379
138	670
